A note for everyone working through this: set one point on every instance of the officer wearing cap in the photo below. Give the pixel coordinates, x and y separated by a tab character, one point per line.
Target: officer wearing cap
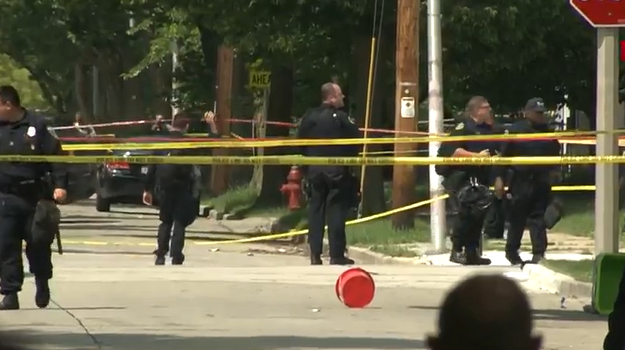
22	187
330	187
467	228
529	186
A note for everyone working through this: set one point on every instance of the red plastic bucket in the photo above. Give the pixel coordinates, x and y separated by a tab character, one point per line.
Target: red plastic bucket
355	288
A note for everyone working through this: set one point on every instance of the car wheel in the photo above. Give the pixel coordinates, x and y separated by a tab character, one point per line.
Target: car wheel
102	204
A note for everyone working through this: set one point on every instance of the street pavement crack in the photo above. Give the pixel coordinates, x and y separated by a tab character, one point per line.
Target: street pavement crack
94	340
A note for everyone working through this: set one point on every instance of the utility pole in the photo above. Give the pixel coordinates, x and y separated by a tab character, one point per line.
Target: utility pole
607	226
406	96
225	67
438	214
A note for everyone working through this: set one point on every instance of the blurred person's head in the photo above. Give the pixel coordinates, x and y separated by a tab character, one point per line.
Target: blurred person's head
535	110
485	312
332	95
10	103
478	109
180	122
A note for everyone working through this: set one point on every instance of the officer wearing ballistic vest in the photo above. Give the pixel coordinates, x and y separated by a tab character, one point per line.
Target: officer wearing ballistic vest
22	188
468	184
529	186
331	187
177	189
615	339
494	224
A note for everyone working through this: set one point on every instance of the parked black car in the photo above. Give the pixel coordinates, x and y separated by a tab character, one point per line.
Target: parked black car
82	177
121	182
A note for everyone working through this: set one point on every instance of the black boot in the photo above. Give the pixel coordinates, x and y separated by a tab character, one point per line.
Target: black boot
514	258
458	257
536	258
160	258
341	261
177	259
474	258
10	302
316	260
42	295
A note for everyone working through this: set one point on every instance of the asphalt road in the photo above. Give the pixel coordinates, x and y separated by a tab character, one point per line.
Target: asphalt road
107	295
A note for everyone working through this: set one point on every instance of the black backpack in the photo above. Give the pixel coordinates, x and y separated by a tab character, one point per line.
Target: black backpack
170	175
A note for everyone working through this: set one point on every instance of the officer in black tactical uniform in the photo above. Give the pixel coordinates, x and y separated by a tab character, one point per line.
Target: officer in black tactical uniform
331	188
22	188
615	339
529	193
495	222
468	184
177	188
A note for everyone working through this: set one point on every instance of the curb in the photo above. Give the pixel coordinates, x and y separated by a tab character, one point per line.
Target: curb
556	282
366	256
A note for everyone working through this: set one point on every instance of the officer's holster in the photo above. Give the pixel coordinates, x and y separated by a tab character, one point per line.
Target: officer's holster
554	213
46	223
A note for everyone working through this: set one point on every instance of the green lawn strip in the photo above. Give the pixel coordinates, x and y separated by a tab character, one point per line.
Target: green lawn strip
233	200
580	270
379	236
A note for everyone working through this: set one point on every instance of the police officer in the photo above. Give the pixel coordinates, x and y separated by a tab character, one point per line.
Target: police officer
331	188
467	228
615	339
494	224
177	189
21	188
529	192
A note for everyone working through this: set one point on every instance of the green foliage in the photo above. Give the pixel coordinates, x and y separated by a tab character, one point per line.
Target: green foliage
30	92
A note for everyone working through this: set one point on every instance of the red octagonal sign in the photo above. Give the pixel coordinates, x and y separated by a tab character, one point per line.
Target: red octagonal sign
601	13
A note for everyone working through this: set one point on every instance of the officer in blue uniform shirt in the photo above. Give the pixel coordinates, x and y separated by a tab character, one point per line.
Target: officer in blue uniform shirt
467	228
22	187
529	193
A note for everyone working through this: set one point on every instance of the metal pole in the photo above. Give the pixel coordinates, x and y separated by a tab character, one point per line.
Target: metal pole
438	215
174	83
606	178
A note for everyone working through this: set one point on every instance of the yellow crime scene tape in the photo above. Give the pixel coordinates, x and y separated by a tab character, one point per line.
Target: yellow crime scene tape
301	160
277	236
238	143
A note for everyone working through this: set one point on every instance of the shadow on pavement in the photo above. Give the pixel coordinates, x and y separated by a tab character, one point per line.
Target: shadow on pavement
88	221
105	252
567	315
123	341
544	314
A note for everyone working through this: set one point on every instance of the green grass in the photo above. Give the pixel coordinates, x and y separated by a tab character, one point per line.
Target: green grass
579	270
379	235
233	200
579	215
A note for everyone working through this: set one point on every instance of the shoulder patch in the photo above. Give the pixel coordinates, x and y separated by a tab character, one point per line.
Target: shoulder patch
351	120
460	126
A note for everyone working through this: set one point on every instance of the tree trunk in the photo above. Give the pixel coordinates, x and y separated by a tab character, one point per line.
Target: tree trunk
279	109
373	200
81	91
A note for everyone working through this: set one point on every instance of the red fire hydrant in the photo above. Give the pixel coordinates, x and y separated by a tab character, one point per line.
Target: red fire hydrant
293	188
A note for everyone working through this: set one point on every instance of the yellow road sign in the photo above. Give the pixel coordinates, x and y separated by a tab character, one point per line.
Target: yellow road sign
260	79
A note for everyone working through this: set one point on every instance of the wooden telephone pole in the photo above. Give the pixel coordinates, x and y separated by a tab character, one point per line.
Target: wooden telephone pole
406	105
220	174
